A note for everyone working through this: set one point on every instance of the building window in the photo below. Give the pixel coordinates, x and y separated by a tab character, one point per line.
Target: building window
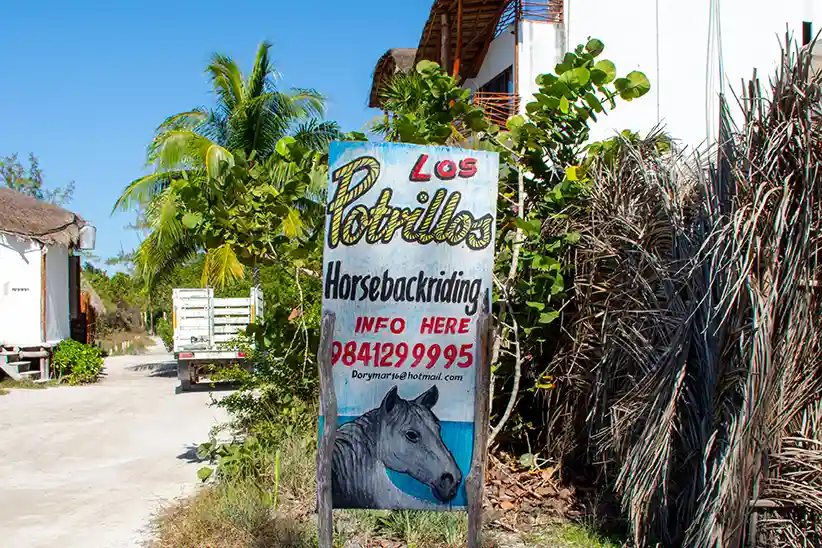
501	83
497	97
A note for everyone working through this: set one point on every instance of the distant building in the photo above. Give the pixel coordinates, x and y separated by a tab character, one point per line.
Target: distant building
39	274
690	51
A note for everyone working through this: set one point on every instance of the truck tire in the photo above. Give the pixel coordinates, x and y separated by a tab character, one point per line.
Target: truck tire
184	376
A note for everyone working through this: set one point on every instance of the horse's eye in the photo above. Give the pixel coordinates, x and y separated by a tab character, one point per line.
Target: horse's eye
412	436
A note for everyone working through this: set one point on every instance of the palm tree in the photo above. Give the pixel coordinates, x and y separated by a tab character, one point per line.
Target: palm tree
250	117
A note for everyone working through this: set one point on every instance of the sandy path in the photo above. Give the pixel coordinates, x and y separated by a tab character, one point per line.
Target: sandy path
87	466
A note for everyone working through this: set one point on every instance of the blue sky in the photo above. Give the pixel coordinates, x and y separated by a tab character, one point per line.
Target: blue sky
84	84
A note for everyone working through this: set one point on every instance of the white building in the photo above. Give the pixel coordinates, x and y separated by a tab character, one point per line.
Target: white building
689	50
39	275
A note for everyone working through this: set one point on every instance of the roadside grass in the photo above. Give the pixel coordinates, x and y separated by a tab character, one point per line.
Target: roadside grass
569	535
24	384
122	343
414	528
229	516
275	507
271	510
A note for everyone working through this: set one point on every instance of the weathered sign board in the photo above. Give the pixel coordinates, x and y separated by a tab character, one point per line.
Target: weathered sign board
409	245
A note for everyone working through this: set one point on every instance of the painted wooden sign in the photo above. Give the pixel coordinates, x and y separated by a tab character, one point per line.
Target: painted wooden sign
409	247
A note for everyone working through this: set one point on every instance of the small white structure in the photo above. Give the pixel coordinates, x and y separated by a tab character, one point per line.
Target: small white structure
690	51
39	275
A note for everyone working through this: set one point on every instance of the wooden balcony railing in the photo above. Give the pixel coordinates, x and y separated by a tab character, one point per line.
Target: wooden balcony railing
545	11
498	107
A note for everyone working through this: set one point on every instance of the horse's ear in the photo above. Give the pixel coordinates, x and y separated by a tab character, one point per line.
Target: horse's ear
428	398
390	400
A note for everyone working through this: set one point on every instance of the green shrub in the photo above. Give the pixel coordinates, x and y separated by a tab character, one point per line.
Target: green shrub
231	515
165	332
77	363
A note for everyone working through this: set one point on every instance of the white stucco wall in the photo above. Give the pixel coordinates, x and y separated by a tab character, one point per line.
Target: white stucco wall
538	54
500	56
676	44
20	285
57	294
684	77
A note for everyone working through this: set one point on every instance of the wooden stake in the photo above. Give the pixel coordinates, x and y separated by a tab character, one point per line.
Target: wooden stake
328	410
445	41
458	54
475	482
43	300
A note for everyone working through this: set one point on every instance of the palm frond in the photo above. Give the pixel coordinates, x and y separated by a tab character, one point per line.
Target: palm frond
227	80
215	127
221	267
214	158
316	134
166	222
184	120
306	103
293	225
692	359
261	72
157	257
141	191
179	149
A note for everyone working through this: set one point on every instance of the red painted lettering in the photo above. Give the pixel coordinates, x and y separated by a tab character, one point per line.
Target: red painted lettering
451	326
367	324
427	325
397	326
464	325
382	323
439	325
416	173
446	170
468	167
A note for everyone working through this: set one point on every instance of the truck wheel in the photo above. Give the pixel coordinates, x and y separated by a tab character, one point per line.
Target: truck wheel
184	376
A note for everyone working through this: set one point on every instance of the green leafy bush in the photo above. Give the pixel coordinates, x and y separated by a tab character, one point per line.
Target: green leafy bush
280	394
77	363
237	461
428	107
165	332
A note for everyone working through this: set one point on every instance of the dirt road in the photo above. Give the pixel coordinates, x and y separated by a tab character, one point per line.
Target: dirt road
87	466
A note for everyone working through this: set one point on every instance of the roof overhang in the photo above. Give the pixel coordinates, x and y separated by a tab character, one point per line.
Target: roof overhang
29	218
471	23
392	61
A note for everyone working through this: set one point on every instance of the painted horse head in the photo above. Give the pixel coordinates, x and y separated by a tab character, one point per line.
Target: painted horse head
410	443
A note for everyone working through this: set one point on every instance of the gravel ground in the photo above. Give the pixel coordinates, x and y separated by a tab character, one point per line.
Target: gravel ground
88	466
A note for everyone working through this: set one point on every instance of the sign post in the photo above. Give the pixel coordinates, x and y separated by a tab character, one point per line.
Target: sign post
404	352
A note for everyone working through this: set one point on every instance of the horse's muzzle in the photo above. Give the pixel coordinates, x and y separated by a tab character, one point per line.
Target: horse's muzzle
445	488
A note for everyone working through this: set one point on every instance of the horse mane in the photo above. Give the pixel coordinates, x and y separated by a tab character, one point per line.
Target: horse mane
353	457
361	433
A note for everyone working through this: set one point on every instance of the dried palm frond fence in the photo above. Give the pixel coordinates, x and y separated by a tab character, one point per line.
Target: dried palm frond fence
691	375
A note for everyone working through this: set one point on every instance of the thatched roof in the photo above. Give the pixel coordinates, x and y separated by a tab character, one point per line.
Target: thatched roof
479	21
95	301
392	61
30	218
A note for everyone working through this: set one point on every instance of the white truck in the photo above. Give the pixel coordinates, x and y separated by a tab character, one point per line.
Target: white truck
203	324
